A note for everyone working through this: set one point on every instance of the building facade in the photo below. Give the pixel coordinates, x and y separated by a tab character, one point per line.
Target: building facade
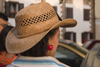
76	9
97	19
79	10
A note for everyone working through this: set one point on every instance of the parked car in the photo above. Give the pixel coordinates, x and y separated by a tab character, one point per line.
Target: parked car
70	53
91	44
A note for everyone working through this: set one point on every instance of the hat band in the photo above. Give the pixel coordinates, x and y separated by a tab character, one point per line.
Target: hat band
37	19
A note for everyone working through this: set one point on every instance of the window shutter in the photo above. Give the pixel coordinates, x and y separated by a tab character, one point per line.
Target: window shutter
69	12
91	35
74	37
21	6
7	9
86	14
65	13
65	35
82	37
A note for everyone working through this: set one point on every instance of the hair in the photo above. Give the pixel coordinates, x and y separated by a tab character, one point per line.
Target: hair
3	16
41	47
3	35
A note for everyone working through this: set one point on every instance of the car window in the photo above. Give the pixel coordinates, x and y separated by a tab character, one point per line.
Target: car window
68	57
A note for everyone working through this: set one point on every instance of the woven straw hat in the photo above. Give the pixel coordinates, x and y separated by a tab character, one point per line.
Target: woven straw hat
32	24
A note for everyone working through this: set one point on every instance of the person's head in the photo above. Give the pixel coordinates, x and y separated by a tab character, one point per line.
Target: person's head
37	28
3	35
3	21
51	38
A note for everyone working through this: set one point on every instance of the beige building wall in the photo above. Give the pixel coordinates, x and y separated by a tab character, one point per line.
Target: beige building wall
97	19
98	31
2	5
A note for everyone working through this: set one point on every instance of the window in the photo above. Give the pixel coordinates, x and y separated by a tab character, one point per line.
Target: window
86	36
69	1
69	13
55	8
86	14
68	57
11	8
86	2
70	36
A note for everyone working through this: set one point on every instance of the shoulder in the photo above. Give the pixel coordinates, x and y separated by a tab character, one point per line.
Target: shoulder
33	61
59	63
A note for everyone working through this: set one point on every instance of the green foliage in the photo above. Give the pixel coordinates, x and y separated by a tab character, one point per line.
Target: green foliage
61	1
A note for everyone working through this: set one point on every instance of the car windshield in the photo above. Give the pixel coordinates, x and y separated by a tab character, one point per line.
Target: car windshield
68	57
60	55
63	52
70	53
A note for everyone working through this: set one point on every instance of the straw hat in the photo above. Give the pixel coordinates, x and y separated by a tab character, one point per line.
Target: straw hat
32	24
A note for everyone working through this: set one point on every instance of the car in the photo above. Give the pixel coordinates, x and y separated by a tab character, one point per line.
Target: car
70	53
91	44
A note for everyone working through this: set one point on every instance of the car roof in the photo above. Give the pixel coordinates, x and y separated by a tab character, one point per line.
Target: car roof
90	43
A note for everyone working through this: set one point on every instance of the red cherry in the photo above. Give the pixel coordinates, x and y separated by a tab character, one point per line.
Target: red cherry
50	47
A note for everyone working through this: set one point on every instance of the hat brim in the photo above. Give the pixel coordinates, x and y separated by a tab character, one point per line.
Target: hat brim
18	45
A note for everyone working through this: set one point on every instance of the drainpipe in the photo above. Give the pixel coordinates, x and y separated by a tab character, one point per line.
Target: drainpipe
93	16
63	17
2	3
63	9
64	29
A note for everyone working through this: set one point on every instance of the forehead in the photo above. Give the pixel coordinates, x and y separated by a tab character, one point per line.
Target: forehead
2	21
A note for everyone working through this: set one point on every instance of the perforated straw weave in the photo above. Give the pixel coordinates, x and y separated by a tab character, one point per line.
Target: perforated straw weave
37	19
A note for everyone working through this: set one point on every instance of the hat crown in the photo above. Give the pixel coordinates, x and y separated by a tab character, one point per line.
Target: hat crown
35	19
